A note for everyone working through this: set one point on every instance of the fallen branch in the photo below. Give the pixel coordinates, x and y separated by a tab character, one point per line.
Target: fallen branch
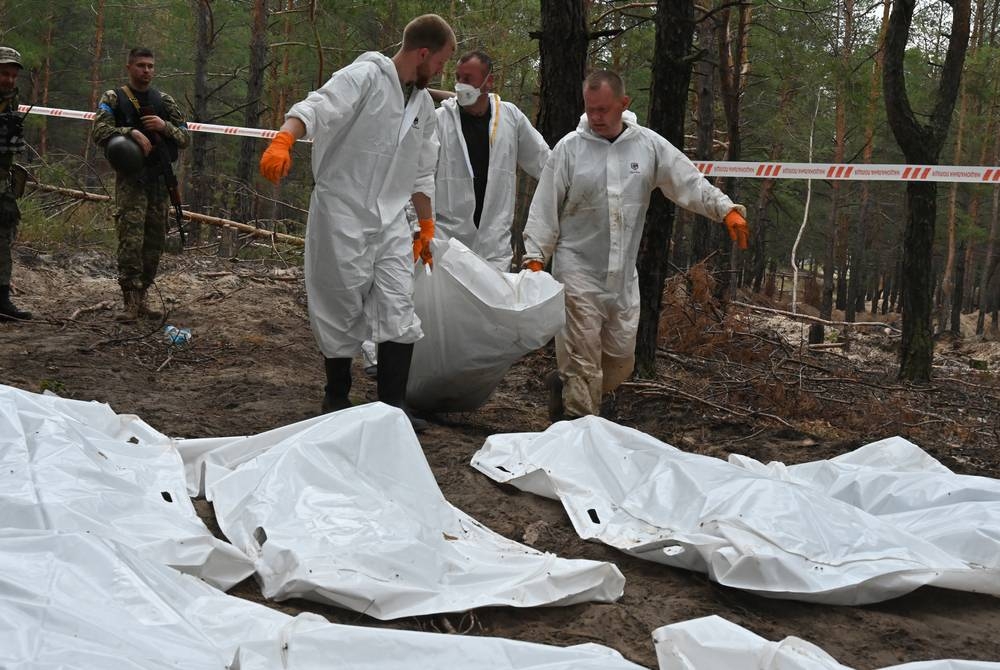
170	357
253	231
814	319
104	304
664	389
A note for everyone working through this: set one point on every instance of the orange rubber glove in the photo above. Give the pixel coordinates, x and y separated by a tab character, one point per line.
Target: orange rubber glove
534	266
422	242
739	231
277	158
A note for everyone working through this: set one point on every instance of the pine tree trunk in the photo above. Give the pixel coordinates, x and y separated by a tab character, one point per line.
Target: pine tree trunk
969	276
244	202
863	234
956	305
734	68
562	49
281	104
95	71
948	286
843	188
835	263
988	291
766	196
199	197
759	244
705	237
671	77
43	139
921	144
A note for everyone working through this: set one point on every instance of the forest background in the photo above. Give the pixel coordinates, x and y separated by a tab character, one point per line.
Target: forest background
796	81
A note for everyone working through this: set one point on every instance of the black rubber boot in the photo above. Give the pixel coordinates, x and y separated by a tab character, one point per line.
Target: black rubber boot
553	382
393	374
8	311
338	385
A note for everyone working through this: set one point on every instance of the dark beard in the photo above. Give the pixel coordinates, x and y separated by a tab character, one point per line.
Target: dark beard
423	78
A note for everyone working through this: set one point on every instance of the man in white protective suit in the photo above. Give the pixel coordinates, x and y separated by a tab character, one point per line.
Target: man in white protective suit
587	215
483	140
372	125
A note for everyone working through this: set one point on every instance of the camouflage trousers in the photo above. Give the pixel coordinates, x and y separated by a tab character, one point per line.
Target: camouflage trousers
141	211
7	234
8	231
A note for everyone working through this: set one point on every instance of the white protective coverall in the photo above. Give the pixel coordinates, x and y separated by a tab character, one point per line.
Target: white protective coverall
588	214
513	142
371	152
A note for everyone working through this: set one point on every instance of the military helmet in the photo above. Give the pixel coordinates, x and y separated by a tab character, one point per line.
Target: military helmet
124	155
8	55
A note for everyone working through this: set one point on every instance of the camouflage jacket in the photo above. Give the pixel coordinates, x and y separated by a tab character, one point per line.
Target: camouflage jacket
105	125
8	105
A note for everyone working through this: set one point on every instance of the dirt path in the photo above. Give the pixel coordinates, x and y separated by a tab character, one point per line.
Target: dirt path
252	365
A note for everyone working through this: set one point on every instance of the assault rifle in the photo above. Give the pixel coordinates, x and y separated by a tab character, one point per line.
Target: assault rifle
169	178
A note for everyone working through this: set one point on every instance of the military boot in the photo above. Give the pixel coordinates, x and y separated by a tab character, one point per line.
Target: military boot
130	311
338	385
393	374
553	382
144	309
8	311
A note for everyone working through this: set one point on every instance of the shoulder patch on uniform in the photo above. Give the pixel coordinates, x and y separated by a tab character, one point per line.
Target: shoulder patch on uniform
105	107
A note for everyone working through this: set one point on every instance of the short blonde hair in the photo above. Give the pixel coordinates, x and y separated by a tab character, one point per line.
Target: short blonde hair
429	31
596	78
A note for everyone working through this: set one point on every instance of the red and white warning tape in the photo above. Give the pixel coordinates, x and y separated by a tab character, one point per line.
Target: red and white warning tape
197	127
830	171
851	172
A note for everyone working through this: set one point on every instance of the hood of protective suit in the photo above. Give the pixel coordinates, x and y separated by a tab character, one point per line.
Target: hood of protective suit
383	62
628	116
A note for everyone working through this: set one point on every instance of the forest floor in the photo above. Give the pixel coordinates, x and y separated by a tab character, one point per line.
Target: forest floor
739	382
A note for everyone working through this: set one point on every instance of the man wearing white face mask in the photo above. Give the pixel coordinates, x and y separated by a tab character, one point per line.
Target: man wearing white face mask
587	215
483	141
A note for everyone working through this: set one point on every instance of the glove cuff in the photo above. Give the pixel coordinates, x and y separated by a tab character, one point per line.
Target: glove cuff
426	227
284	139
736	215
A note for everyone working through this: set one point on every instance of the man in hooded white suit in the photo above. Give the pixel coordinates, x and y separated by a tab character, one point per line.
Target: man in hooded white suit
372	125
483	140
587	215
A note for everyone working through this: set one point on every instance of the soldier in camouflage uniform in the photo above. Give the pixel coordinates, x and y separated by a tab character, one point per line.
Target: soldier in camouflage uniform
11	143
154	122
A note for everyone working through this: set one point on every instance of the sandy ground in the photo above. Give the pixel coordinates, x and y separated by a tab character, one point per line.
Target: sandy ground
252	365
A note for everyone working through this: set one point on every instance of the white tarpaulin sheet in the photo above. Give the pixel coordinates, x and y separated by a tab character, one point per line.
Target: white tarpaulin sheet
68	465
745	529
343	508
712	643
901	484
75	601
477	322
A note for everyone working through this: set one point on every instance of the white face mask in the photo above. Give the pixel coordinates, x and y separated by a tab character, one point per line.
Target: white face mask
467	94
